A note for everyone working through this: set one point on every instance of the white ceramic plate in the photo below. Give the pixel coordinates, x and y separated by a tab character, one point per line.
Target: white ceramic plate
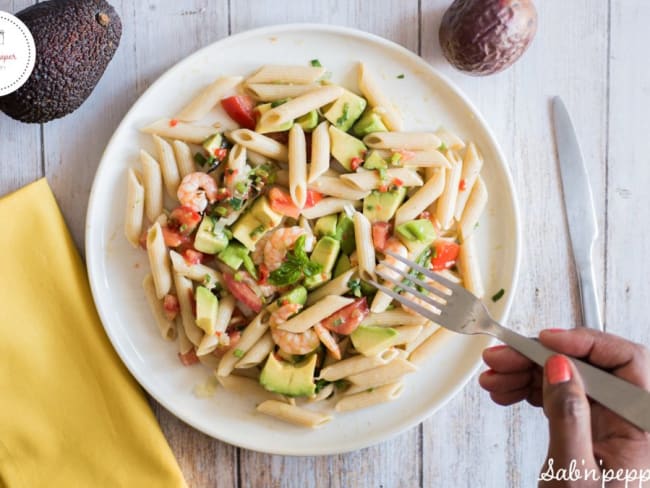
427	100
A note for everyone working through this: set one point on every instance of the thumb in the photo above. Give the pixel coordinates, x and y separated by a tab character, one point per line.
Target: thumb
568	412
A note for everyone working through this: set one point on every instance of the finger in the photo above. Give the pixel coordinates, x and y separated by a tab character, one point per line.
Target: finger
627	359
495	382
509	398
568	413
504	359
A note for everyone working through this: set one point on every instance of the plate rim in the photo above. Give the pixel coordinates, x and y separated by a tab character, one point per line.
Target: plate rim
94	276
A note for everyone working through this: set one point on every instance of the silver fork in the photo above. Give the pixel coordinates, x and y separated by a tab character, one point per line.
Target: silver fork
460	311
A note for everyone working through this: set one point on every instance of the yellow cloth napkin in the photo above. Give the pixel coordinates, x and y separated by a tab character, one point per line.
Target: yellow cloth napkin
71	415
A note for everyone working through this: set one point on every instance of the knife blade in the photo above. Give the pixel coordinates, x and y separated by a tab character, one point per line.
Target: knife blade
581	215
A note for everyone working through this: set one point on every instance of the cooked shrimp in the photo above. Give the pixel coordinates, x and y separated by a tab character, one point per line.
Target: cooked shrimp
196	190
258	254
291	342
328	340
280	241
422	303
395	246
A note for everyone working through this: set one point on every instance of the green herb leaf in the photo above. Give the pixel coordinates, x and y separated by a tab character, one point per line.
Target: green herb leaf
400	76
320	384
355	287
344	115
236	203
442	147
498	295
296	265
315	63
238	353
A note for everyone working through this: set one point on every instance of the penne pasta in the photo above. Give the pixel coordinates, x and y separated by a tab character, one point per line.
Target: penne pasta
339	188
422	199
337	286
323	394
184	344
377	99
365	247
472	164
356	364
201	105
134	207
249	337
184	159
407	334
274	73
382	375
370	397
208	343
258	353
224	313
428	329
475	206
173	129
293	414
450	140
371	180
271	92
185	295
428	348
447	201
260	144
422	141
328	206
298	106
248	387
297	166
469	267
159	260
320	152
166	327
423	159
381	301
153	186
390	318
315	313
168	166
256	159
200	273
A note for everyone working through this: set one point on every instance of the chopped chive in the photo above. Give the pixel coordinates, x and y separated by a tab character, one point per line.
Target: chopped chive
442	147
315	63
498	295
400	76
238	353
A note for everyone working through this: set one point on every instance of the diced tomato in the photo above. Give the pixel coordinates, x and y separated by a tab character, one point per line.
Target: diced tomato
313	197
397	182
173	238
220	153
281	202
173	123
243	293
143	240
185	219
383	188
444	255
170	306
264	274
380	232
223	193
346	320
462	185
189	358
425	215
355	163
192	256
240	108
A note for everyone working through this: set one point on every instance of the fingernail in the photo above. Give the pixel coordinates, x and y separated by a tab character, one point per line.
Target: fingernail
496	348
489	372
558	370
554	331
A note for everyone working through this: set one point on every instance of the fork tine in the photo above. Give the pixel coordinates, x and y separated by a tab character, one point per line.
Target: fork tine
407	303
416	293
434	276
415	279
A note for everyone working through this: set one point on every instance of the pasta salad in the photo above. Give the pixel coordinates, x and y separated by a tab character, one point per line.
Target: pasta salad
261	239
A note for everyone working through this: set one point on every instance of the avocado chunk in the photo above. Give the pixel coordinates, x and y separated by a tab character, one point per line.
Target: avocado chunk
234	255
252	226
263	212
345	110
381	206
371	340
265	107
207	306
297	295
207	239
289	379
375	161
212	143
370	122
75	41
345	233
342	265
326	226
325	253
345	147
309	121
416	234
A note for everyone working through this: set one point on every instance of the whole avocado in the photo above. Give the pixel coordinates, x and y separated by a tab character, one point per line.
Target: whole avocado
483	37
75	40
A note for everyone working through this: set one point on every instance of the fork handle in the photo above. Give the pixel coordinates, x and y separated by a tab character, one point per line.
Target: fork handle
627	400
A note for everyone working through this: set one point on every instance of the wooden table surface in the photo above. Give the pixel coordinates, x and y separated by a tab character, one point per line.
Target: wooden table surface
585	50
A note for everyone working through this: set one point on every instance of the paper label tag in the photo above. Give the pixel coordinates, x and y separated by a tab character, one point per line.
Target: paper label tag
17	53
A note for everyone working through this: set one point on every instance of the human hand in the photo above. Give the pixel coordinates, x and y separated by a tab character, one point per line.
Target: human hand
579	429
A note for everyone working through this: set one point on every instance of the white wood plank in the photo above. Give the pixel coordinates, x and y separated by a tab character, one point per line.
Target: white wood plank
628	233
395	462
505	447
20	149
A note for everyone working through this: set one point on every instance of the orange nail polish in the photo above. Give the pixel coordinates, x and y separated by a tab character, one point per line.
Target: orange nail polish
497	348
558	369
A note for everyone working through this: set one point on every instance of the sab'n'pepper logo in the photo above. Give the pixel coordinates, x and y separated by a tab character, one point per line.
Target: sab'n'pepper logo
17	53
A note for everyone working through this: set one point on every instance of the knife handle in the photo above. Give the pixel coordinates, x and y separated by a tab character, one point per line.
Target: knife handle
590	309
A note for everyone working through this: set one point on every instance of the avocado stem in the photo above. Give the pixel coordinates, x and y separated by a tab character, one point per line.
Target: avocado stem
103	19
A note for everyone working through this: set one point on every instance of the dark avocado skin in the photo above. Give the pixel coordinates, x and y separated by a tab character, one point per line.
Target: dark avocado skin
75	40
483	37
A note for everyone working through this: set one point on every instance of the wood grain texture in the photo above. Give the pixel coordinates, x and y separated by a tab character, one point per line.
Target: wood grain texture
376	465
505	447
